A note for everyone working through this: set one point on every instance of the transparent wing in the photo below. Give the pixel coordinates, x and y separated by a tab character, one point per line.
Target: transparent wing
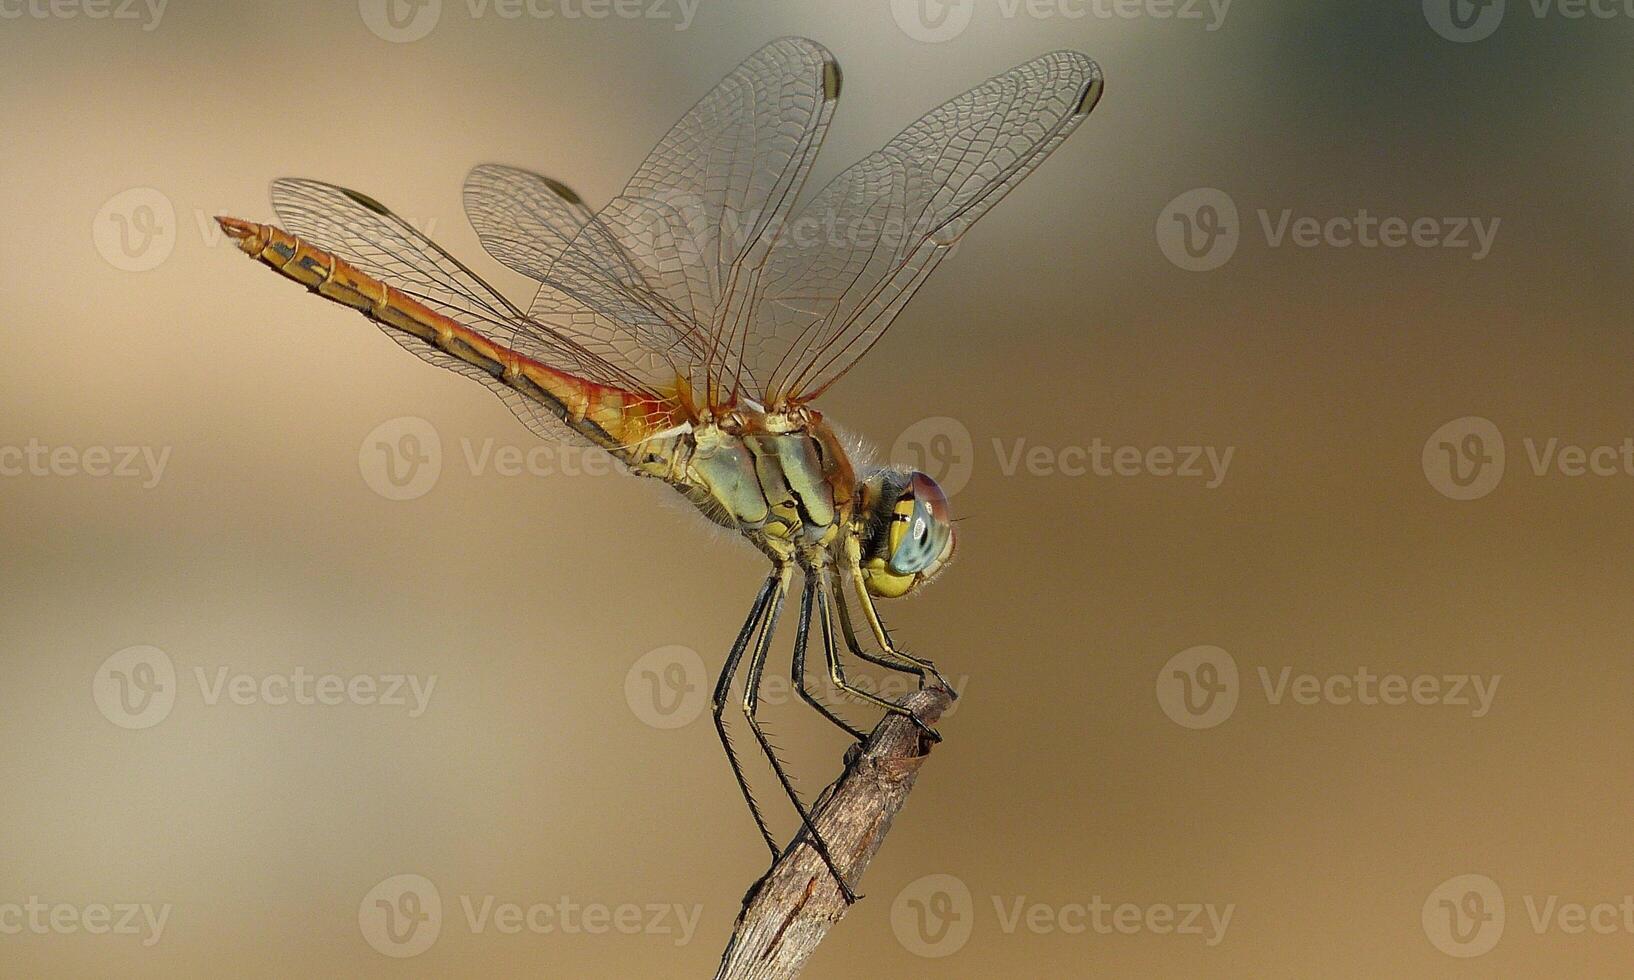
724	180
592	289
381	244
524	220
859	249
662	280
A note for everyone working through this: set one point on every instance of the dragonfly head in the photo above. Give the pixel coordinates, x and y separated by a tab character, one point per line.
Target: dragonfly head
911	537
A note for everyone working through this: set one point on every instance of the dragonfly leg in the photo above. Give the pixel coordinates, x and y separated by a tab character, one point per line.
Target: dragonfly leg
836	669
751	703
905	662
722	686
800	638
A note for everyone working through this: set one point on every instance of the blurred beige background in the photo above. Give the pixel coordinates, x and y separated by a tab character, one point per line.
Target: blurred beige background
546	607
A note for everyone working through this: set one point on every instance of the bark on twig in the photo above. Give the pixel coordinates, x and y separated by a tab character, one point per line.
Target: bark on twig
789	911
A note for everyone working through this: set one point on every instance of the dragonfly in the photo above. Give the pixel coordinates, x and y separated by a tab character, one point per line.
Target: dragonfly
686	328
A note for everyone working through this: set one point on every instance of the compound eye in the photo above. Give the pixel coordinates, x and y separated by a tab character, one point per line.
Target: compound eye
922	529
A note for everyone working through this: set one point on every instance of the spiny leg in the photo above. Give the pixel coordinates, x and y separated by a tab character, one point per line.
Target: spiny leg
836	669
806	596
855	645
722	688
751	702
883	638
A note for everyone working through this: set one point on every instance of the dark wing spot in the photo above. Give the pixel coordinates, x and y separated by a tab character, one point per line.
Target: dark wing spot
831	79
562	191
367	201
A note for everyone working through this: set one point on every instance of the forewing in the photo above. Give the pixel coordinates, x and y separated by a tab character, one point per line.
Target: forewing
381	244
660	282
698	217
861	247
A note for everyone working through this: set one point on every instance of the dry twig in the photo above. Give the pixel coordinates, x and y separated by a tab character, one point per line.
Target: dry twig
789	911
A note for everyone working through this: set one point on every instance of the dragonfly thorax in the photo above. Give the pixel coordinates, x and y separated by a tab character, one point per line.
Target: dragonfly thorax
782	479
